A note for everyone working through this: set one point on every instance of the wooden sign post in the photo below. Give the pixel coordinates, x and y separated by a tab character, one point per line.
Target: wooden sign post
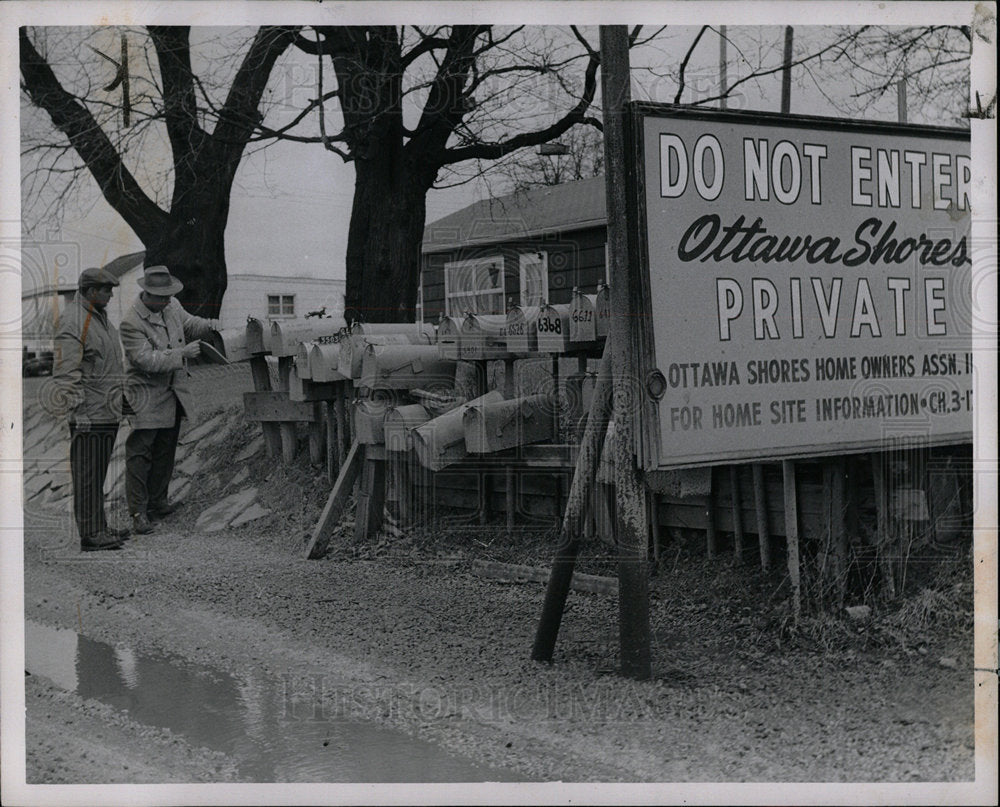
630	522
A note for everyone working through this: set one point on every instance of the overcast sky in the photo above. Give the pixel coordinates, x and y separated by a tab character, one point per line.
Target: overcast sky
291	203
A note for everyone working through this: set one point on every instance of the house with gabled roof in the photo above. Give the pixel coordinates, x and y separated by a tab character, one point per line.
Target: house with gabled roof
525	248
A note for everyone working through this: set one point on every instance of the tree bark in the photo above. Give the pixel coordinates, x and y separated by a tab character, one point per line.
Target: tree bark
383	242
189	239
194	251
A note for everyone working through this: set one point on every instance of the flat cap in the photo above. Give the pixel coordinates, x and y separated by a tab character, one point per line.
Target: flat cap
97	277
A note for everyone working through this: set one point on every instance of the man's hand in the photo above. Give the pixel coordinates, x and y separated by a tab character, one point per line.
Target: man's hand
192	350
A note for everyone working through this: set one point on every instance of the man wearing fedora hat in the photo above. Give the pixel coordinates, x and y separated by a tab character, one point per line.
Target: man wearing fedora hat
87	379
155	334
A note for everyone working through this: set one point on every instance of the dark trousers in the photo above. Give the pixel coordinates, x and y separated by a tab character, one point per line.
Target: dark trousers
149	464
89	455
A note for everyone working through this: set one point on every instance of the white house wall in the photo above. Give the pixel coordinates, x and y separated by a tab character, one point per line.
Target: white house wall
247	295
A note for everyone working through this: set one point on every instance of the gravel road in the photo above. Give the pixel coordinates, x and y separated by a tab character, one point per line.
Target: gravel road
425	645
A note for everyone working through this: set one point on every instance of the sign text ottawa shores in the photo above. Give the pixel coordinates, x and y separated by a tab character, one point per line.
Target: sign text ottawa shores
810	283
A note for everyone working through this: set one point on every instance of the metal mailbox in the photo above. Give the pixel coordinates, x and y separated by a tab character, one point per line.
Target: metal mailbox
483	336
302	359
399	422
405	367
449	337
583	317
441	441
258	337
305	389
495	426
323	363
369	419
352	349
522	329
420	332
553	328
603	310
287	335
231	343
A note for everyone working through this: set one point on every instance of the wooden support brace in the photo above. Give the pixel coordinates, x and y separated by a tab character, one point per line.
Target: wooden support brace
371	498
286	428
332	456
883	539
792	533
711	535
335	503
509	387
734	487
511	495
406	492
654	526
276	408
838	530
760	505
485	494
569	535
262	383
316	435
340	415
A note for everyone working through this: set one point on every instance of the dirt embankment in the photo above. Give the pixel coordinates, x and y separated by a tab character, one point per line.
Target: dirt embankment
419	641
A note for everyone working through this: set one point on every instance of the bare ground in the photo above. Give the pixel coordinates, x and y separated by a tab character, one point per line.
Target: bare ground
426	645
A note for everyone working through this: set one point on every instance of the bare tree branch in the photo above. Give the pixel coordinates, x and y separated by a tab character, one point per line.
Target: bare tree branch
684	63
72	118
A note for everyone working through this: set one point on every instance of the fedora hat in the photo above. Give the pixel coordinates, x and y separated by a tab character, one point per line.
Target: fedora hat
158	280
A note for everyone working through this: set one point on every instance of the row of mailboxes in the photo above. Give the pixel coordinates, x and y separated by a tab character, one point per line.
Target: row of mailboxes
406	367
441	441
344	359
277	338
482	426
287	335
549	328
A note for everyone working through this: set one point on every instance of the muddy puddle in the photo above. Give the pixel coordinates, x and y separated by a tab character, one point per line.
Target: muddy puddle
252	720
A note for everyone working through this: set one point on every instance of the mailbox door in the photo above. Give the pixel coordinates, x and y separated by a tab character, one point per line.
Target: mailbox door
553	329
582	321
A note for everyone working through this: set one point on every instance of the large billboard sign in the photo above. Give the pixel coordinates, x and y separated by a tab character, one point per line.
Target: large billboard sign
810	283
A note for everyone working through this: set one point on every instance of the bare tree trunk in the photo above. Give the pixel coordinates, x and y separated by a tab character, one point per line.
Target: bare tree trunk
194	251
383	243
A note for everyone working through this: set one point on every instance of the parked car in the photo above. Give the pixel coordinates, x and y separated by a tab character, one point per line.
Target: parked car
37	365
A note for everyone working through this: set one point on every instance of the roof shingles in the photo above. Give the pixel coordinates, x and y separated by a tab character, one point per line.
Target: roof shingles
525	214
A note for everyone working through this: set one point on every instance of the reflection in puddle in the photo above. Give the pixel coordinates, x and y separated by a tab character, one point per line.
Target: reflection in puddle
246	719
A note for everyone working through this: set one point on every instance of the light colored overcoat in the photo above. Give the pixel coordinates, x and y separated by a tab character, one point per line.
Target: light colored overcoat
157	375
87	370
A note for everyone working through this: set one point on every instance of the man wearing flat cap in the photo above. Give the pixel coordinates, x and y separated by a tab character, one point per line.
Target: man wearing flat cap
155	334
88	377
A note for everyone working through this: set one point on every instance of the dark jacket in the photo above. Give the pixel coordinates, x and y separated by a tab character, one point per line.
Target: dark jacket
87	370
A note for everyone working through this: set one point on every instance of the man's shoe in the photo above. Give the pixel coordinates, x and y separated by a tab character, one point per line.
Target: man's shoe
162	510
99	541
118	532
140	524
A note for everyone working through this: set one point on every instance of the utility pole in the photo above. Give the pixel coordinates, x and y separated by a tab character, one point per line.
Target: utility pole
723	77
786	73
630	526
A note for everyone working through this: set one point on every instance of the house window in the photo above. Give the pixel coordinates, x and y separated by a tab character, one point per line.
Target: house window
281	305
534	278
474	286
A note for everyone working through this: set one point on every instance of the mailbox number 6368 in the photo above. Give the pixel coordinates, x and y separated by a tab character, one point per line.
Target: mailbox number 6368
546	325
